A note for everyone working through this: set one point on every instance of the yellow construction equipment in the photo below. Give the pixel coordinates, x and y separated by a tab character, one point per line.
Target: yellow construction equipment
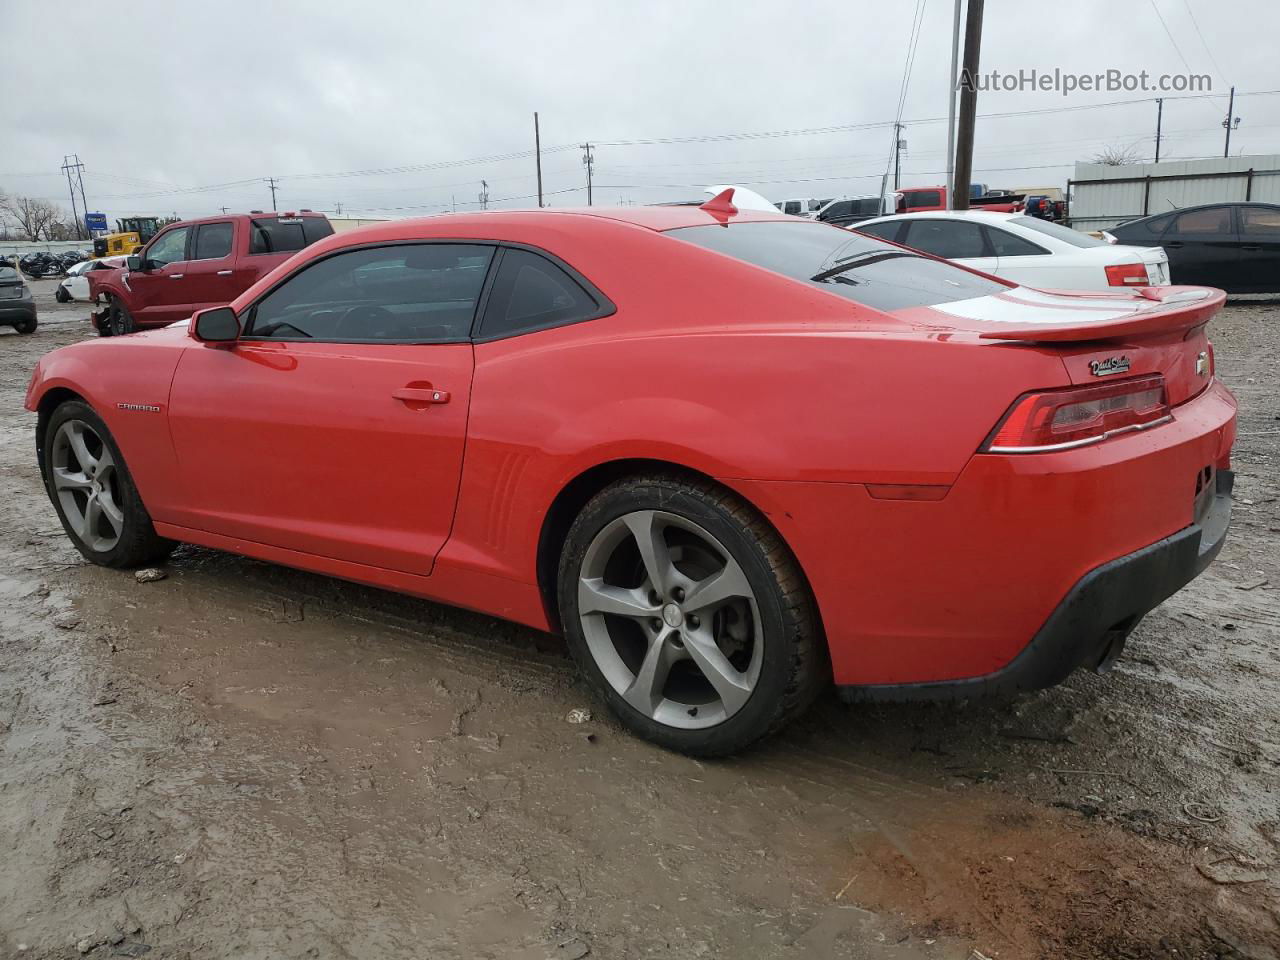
131	235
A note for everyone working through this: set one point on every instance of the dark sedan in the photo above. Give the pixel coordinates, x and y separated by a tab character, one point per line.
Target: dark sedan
1232	246
17	309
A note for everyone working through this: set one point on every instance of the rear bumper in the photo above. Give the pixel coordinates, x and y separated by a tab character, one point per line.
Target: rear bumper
953	588
1088	628
17	311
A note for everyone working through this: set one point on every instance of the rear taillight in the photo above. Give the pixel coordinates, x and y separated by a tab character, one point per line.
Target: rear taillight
1062	419
1127	275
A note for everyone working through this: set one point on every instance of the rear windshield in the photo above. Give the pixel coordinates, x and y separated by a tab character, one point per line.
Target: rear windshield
274	235
8	273
1066	234
856	267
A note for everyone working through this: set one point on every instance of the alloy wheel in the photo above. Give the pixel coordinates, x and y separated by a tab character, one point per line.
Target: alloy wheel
86	483
670	619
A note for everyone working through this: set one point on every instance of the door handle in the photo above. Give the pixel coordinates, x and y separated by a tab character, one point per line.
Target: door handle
1251	247
224	273
1174	243
421	395
175	276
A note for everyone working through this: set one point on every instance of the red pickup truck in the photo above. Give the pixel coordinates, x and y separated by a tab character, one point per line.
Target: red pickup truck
913	199
195	264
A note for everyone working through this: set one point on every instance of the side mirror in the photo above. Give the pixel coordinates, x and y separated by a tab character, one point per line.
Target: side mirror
133	262
215	325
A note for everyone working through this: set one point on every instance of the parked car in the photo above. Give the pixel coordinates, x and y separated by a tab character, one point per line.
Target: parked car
76	285
17	307
918	199
1232	246
849	210
802	207
781	452
1024	250
195	264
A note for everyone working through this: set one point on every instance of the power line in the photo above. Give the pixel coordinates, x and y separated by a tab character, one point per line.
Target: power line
1200	34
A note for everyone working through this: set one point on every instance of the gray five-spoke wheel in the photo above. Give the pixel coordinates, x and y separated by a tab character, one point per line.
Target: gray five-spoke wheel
87	486
670	619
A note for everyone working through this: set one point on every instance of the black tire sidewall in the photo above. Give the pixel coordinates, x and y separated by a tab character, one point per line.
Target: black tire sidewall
136	521
762	710
119	318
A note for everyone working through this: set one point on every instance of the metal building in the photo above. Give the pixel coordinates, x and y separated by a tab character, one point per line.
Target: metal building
1102	196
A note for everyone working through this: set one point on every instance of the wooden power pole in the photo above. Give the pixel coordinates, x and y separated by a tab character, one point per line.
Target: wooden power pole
968	105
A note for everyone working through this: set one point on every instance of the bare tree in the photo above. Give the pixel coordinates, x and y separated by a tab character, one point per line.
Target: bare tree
33	216
1114	156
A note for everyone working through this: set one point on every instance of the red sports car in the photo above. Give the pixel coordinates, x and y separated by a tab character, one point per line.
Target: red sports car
730	455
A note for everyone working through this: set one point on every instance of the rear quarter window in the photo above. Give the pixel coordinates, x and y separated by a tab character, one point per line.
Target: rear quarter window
287	235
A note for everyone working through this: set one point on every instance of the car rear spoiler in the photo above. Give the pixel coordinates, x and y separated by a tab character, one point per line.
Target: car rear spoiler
1174	309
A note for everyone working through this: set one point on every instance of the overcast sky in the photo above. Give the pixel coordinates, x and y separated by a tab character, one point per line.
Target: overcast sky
189	107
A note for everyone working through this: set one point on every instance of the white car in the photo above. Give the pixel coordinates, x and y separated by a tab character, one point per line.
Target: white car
1024	250
76	285
801	206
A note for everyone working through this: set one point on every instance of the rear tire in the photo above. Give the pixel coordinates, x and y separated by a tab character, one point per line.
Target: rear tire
61	295
93	493
705	640
26	326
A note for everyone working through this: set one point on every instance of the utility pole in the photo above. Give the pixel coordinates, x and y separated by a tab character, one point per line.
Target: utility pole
968	105
588	160
339	206
1231	123
1159	117
484	194
271	182
537	152
951	104
224	210
67	167
898	144
84	204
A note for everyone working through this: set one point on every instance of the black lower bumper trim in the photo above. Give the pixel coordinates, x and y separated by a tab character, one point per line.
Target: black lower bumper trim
1094	618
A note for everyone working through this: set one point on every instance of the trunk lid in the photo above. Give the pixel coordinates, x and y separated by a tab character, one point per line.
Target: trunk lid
1105	335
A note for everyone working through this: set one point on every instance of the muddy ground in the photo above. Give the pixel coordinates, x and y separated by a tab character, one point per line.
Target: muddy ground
247	761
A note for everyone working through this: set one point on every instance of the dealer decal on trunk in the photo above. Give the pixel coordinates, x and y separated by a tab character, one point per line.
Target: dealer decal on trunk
1103	368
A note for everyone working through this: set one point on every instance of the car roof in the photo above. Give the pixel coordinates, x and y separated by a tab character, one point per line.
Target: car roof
658	218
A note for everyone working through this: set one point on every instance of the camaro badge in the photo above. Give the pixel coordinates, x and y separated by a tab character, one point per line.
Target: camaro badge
1102	368
140	407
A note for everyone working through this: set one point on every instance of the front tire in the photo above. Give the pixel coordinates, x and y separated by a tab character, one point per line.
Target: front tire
26	326
93	493
119	319
61	295
688	615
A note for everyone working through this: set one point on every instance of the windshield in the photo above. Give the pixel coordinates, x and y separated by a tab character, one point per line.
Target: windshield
8	273
856	267
1058	231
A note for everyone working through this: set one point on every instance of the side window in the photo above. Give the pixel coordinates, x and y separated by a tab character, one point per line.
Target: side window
1006	244
885	231
840	208
1209	220
792	207
1260	220
170	247
530	293
952	239
406	292
1154	225
213	241
286	234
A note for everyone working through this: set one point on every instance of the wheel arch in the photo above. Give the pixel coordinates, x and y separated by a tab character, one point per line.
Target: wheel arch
49	401
575	494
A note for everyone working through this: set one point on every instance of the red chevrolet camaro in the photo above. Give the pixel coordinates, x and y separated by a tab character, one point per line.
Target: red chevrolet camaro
730	455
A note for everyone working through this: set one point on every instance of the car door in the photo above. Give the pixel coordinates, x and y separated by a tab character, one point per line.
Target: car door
209	273
1202	246
335	425
157	291
961	240
1259	261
